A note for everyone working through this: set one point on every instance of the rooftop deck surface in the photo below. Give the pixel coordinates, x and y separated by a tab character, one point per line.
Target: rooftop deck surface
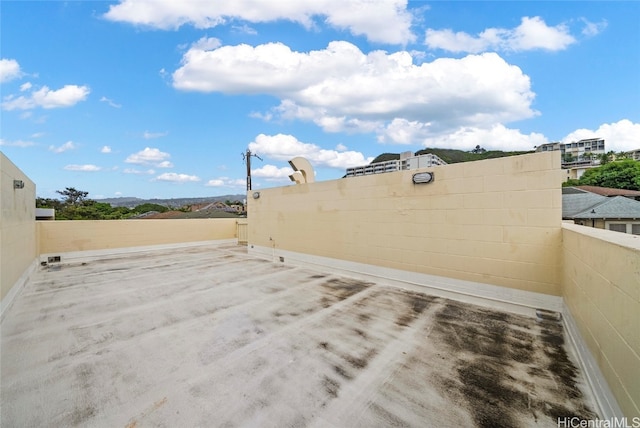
209	336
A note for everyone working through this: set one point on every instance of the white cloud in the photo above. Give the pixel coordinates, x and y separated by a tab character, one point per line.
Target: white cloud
67	96
244	29
177	178
271	172
150	156
286	147
69	145
620	136
593	28
341	89
206	43
150	135
532	33
105	149
110	102
25	86
46	98
402	131
386	21
138	172
216	183
82	168
226	182
496	137
17	143
9	70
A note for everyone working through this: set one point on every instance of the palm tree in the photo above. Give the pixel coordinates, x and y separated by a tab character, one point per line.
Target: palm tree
605	158
621	155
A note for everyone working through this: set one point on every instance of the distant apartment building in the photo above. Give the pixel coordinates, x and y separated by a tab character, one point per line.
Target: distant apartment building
577	156
634	154
406	161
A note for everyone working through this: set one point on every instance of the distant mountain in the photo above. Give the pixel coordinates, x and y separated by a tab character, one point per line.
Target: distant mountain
131	202
454	156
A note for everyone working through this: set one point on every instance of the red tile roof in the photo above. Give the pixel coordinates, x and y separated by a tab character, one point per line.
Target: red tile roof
608	191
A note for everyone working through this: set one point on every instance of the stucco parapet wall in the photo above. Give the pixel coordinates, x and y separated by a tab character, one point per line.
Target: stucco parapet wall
495	221
629	245
626	240
90	255
18	239
86	235
601	289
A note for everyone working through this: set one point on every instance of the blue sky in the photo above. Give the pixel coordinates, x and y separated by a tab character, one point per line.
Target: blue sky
159	98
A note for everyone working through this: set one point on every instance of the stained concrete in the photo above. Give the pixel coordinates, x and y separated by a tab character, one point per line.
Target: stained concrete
210	336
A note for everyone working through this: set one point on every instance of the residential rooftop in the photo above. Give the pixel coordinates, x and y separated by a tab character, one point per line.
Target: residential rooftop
208	335
379	300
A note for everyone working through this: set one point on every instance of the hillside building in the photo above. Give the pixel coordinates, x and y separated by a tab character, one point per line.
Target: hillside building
634	154
406	162
577	156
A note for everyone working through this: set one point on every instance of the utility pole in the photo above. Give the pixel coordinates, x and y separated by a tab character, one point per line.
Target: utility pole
247	158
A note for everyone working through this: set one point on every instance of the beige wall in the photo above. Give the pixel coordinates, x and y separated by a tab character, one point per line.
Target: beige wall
601	288
17	226
81	235
495	221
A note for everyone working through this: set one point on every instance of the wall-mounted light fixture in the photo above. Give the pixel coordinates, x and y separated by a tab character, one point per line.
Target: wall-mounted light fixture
256	195
18	184
423	178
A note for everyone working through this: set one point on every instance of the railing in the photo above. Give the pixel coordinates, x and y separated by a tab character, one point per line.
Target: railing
242	232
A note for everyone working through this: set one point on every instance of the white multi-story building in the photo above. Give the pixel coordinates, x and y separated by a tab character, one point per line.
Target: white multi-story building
576	151
634	154
406	161
577	156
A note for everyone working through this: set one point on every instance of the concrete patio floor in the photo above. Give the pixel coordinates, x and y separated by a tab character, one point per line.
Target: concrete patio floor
209	336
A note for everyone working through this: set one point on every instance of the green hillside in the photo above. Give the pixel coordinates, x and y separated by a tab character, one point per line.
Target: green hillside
452	155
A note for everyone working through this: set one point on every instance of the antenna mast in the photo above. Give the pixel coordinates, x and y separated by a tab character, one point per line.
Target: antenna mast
247	158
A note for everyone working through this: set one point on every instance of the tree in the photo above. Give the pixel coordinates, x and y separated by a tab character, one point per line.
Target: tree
623	174
73	196
478	149
76	206
605	158
622	155
49	203
571	182
146	207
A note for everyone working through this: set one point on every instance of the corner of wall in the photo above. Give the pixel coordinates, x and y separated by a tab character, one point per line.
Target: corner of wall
18	243
608	407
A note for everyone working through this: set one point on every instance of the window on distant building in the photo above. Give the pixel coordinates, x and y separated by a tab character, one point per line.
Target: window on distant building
618	227
632	227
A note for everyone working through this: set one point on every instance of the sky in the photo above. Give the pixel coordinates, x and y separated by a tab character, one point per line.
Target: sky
161	99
